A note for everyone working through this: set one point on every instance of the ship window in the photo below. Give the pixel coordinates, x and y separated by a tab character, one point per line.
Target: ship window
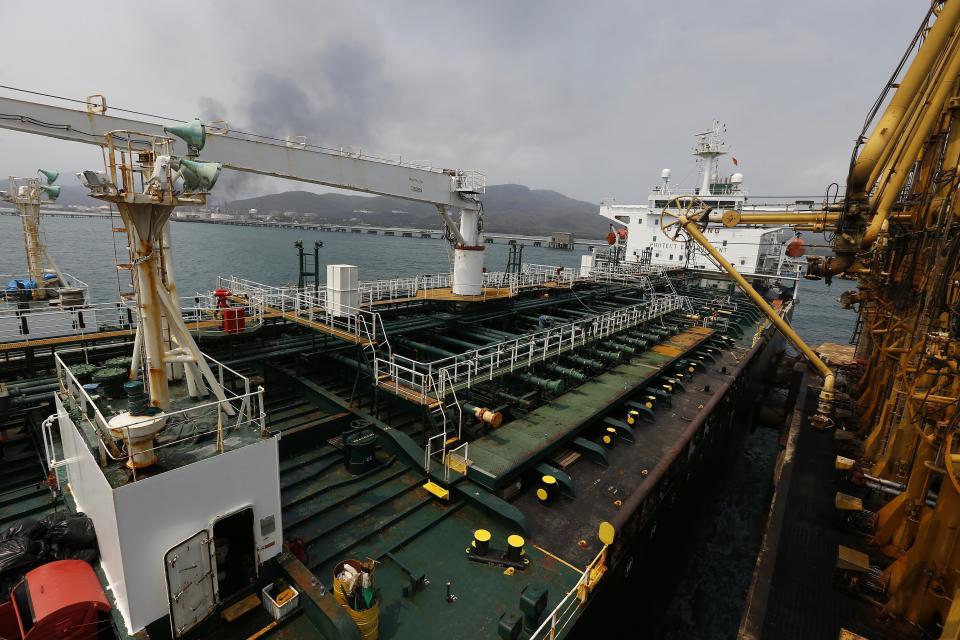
671	256
727	203
724	243
743	261
660	204
624	219
658	254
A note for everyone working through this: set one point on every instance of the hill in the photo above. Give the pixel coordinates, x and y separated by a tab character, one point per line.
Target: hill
508	208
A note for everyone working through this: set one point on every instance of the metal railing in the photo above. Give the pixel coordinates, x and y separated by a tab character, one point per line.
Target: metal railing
51	292
448	374
202	308
32	323
242	407
309	305
572	602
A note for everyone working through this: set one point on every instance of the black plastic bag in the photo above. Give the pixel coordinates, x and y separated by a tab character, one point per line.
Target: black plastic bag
26	527
87	555
75	532
17	553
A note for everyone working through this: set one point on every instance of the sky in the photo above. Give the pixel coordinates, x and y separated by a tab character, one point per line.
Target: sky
588	98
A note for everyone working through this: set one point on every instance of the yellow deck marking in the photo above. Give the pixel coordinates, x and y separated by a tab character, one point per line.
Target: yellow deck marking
437	490
555	557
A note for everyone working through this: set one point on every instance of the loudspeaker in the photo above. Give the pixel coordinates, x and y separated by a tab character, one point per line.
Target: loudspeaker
199	176
52	191
193	133
51	176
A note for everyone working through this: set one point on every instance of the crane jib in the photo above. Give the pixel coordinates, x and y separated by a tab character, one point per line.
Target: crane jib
243	152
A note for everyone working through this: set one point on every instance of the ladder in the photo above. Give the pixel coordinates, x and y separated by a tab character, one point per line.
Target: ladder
448	412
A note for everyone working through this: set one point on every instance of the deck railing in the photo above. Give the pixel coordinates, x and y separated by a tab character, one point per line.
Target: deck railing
569	606
408	376
242	407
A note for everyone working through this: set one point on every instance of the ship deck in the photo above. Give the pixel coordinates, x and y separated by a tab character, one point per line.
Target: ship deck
794	593
597	488
386	514
500	456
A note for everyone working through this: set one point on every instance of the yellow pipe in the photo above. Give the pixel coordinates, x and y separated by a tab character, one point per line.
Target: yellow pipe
826	393
898	174
787	218
910	84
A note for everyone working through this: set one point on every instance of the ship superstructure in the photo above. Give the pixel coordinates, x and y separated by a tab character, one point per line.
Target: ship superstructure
754	249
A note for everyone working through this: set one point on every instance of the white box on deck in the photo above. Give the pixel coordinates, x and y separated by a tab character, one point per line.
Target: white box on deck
586	265
343	289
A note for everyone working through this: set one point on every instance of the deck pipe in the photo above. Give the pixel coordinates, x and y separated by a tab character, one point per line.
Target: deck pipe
586	363
566	372
626	350
555	387
436	352
457	342
492	418
646	335
609	356
636	343
524	402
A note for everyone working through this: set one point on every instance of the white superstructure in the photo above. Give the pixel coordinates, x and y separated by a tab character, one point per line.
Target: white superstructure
752	249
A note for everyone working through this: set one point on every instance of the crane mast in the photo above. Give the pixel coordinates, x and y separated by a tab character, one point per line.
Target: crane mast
146	162
449	190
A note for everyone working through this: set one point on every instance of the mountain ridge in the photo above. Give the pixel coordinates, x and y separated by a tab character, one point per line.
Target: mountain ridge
508	208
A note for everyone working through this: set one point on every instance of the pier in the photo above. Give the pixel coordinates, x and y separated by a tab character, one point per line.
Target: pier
404	232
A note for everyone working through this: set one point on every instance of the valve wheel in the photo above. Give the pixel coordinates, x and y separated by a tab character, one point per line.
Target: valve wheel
689	207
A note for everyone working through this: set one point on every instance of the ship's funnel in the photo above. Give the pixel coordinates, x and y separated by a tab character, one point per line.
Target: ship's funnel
199	176
193	133
52	191
51	176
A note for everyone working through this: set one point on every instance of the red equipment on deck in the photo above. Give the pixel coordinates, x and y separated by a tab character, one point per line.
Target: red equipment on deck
61	600
234	320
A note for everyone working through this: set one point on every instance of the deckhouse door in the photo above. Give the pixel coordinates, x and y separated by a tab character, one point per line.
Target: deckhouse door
191	582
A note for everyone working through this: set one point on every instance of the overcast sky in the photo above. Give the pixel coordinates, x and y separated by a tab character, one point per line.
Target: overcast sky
588	98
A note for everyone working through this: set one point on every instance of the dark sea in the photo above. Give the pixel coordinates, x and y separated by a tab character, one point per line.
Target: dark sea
716	570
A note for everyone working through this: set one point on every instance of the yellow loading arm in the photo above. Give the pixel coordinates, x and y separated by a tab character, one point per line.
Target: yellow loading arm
686	214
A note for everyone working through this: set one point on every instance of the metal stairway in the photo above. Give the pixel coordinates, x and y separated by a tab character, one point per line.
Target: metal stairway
24	491
338	516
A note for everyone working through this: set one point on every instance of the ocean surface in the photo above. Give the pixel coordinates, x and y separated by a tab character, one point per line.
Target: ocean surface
84	247
725	529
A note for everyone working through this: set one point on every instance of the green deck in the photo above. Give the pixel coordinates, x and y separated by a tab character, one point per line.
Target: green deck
386	515
500	456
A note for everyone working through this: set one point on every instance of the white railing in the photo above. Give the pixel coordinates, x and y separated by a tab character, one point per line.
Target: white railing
266	294
310	305
381	291
202	308
572	602
470	181
34	323
444	434
243	409
50	292
448	374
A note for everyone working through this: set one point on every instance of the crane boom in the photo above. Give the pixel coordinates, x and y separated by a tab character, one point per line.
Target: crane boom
269	157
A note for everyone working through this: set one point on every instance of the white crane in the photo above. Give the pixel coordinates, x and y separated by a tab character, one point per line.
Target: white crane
145	164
